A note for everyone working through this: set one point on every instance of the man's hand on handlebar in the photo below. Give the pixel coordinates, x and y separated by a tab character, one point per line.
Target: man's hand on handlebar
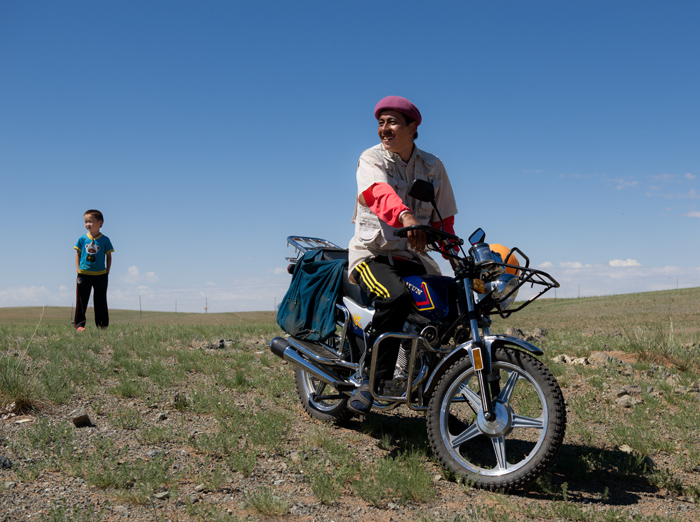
417	239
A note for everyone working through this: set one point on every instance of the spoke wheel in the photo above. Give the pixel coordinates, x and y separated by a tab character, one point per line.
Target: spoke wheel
320	400
519	443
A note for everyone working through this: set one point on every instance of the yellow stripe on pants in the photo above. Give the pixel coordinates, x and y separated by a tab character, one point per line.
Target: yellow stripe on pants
372	282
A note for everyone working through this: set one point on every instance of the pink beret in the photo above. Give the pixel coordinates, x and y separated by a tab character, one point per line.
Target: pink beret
397	103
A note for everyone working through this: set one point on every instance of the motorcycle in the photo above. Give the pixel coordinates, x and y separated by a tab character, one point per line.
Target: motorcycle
495	414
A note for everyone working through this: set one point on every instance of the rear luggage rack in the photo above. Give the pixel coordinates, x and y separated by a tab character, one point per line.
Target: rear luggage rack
304	244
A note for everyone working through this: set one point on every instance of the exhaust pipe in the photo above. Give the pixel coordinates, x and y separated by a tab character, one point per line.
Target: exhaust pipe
281	348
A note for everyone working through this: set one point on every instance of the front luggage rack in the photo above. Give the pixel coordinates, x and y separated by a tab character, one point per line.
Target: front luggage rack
526	275
532	277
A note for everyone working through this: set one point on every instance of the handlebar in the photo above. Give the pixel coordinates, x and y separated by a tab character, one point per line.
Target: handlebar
432	233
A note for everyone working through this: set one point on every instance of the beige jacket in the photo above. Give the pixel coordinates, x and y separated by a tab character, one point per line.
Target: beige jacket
374	237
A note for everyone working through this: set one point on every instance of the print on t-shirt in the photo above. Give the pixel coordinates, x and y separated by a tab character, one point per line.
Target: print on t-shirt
91	248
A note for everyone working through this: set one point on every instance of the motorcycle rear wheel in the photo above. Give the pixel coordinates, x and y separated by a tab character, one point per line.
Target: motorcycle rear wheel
320	400
523	440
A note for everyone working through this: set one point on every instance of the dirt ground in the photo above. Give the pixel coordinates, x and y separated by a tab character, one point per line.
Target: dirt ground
595	494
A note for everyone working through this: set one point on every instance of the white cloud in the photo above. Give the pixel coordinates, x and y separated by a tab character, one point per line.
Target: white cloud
689	176
694	214
625	183
133	276
36	296
24	294
665	177
622	263
546	264
576	265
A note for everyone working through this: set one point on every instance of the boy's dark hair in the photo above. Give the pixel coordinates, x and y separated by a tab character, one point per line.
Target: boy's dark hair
95	213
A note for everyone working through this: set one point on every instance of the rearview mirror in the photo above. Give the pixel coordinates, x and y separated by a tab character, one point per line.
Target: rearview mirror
477	237
422	190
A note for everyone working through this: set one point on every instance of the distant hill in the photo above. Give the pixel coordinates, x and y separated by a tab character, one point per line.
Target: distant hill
676	309
58	314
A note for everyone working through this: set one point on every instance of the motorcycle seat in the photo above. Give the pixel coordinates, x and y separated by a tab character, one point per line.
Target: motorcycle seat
354	292
333	254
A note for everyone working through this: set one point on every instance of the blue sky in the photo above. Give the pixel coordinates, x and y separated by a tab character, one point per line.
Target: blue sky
207	132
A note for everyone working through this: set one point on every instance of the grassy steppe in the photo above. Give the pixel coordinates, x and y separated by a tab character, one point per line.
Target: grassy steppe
194	419
680	308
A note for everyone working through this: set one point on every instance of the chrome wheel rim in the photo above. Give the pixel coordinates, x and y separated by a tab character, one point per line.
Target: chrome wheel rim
314	388
505	444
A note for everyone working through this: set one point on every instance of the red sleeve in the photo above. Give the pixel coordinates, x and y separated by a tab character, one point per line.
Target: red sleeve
448	224
385	203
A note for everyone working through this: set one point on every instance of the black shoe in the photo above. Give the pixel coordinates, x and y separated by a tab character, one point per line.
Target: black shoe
361	400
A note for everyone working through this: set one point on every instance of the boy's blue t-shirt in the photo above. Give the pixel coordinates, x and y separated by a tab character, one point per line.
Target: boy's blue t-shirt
93	254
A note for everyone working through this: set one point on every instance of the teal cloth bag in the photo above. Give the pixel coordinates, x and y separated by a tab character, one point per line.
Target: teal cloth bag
308	308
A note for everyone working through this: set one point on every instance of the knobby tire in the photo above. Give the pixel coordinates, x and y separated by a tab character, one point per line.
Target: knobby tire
524	440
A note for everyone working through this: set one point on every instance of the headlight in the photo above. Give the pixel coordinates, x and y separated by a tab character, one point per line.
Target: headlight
501	288
485	258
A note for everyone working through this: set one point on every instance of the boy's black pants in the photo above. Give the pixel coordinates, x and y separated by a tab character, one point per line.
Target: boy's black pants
84	285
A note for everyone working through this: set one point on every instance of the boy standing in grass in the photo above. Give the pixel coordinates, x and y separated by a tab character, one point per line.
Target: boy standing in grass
93	259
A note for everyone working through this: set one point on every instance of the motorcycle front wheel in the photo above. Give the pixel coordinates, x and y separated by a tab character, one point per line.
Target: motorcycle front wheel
320	400
519	444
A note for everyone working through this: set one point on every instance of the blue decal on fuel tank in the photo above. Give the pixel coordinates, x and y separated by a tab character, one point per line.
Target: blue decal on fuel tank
430	294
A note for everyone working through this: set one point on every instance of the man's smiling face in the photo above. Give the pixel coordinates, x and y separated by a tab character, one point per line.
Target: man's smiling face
396	135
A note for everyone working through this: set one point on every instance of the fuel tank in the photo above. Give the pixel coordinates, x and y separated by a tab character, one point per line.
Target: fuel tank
430	294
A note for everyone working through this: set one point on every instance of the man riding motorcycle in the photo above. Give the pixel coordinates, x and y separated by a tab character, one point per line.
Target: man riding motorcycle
378	260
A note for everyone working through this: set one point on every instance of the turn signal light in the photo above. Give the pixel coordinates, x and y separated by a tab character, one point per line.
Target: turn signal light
478	363
479	286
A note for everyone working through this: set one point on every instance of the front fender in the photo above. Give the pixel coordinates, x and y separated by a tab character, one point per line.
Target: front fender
494	341
490	342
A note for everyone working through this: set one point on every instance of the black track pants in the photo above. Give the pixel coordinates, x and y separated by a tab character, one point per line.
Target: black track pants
84	285
392	302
